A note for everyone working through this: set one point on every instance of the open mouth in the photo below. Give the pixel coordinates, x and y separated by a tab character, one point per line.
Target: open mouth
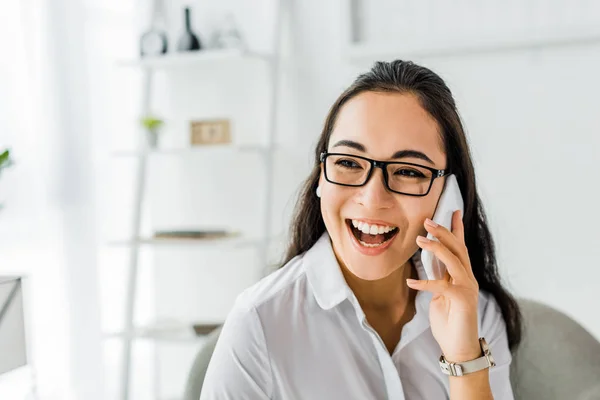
377	235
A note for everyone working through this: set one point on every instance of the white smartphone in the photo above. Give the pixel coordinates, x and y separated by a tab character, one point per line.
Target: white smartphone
450	201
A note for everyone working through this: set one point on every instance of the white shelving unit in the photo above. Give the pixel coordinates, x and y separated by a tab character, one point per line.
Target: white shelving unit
148	66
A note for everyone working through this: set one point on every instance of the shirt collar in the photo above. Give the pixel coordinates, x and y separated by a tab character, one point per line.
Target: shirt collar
328	284
324	274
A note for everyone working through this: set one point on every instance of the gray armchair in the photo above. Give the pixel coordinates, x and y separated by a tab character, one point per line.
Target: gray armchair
195	379
557	360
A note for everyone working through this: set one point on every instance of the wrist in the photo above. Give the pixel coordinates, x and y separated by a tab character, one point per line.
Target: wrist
468	361
468	355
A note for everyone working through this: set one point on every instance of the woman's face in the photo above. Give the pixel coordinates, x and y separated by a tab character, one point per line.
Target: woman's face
377	126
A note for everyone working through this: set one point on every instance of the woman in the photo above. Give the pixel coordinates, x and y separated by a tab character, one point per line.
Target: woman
342	318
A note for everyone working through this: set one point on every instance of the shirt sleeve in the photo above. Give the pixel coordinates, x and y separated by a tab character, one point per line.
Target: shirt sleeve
240	366
493	328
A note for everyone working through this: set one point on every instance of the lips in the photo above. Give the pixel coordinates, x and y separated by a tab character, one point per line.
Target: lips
369	244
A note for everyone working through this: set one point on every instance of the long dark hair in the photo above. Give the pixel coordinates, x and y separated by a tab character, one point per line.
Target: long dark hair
436	98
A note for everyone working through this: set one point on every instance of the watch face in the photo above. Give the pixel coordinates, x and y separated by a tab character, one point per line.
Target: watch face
153	43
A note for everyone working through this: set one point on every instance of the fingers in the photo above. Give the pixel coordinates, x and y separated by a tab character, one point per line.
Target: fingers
453	264
433	286
458	227
455	240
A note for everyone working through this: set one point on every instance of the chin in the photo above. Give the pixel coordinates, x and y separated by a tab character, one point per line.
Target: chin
370	270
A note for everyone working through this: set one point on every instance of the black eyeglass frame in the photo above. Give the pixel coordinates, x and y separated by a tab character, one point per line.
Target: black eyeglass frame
436	173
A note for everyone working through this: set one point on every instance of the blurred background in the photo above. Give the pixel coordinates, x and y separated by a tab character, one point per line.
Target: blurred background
156	154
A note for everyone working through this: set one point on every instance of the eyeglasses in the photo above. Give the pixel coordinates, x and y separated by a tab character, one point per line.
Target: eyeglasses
400	177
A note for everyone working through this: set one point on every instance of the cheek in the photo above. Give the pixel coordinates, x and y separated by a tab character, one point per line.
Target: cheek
332	201
417	211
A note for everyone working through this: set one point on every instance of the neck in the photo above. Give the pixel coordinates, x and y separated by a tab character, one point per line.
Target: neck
383	294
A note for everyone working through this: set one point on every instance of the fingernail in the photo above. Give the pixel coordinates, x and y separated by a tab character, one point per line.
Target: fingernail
412	281
422	239
431	223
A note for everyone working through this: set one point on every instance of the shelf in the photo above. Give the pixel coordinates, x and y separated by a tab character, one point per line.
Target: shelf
179	334
450	46
193	58
173	337
214	243
243	148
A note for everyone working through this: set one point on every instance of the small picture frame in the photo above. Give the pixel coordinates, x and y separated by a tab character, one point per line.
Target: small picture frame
214	131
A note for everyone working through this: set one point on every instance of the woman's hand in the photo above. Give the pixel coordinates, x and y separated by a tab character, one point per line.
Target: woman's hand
453	308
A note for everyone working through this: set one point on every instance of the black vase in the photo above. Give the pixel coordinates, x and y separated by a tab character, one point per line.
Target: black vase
188	41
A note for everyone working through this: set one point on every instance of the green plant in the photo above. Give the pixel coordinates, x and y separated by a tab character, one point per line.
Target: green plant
5	160
151	123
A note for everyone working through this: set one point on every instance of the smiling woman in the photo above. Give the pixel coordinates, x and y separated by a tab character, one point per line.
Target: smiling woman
341	319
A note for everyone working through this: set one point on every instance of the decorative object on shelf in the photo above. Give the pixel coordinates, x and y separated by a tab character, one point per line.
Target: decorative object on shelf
215	131
153	43
167	329
188	40
227	35
195	234
152	126
205	329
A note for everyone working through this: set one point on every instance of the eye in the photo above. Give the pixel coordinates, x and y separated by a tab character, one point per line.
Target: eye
410	173
348	163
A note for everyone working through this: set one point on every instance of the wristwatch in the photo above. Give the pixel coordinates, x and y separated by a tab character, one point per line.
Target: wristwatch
468	367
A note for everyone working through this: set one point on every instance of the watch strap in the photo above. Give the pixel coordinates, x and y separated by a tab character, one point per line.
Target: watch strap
468	367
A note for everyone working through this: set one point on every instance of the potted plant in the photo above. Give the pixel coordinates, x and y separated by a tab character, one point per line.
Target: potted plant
152	126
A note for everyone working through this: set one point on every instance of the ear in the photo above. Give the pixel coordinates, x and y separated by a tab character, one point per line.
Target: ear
321	176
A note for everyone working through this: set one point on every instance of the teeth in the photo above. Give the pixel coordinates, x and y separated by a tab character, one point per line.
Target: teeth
371	229
371	244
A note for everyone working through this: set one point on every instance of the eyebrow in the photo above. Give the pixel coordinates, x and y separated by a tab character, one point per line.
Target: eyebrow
399	154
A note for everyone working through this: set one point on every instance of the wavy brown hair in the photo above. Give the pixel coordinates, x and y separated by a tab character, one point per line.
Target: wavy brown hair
436	98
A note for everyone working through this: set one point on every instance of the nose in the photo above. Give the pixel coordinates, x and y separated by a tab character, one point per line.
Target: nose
374	194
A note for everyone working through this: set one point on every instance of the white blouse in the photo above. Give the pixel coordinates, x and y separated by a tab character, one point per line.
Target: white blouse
300	333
